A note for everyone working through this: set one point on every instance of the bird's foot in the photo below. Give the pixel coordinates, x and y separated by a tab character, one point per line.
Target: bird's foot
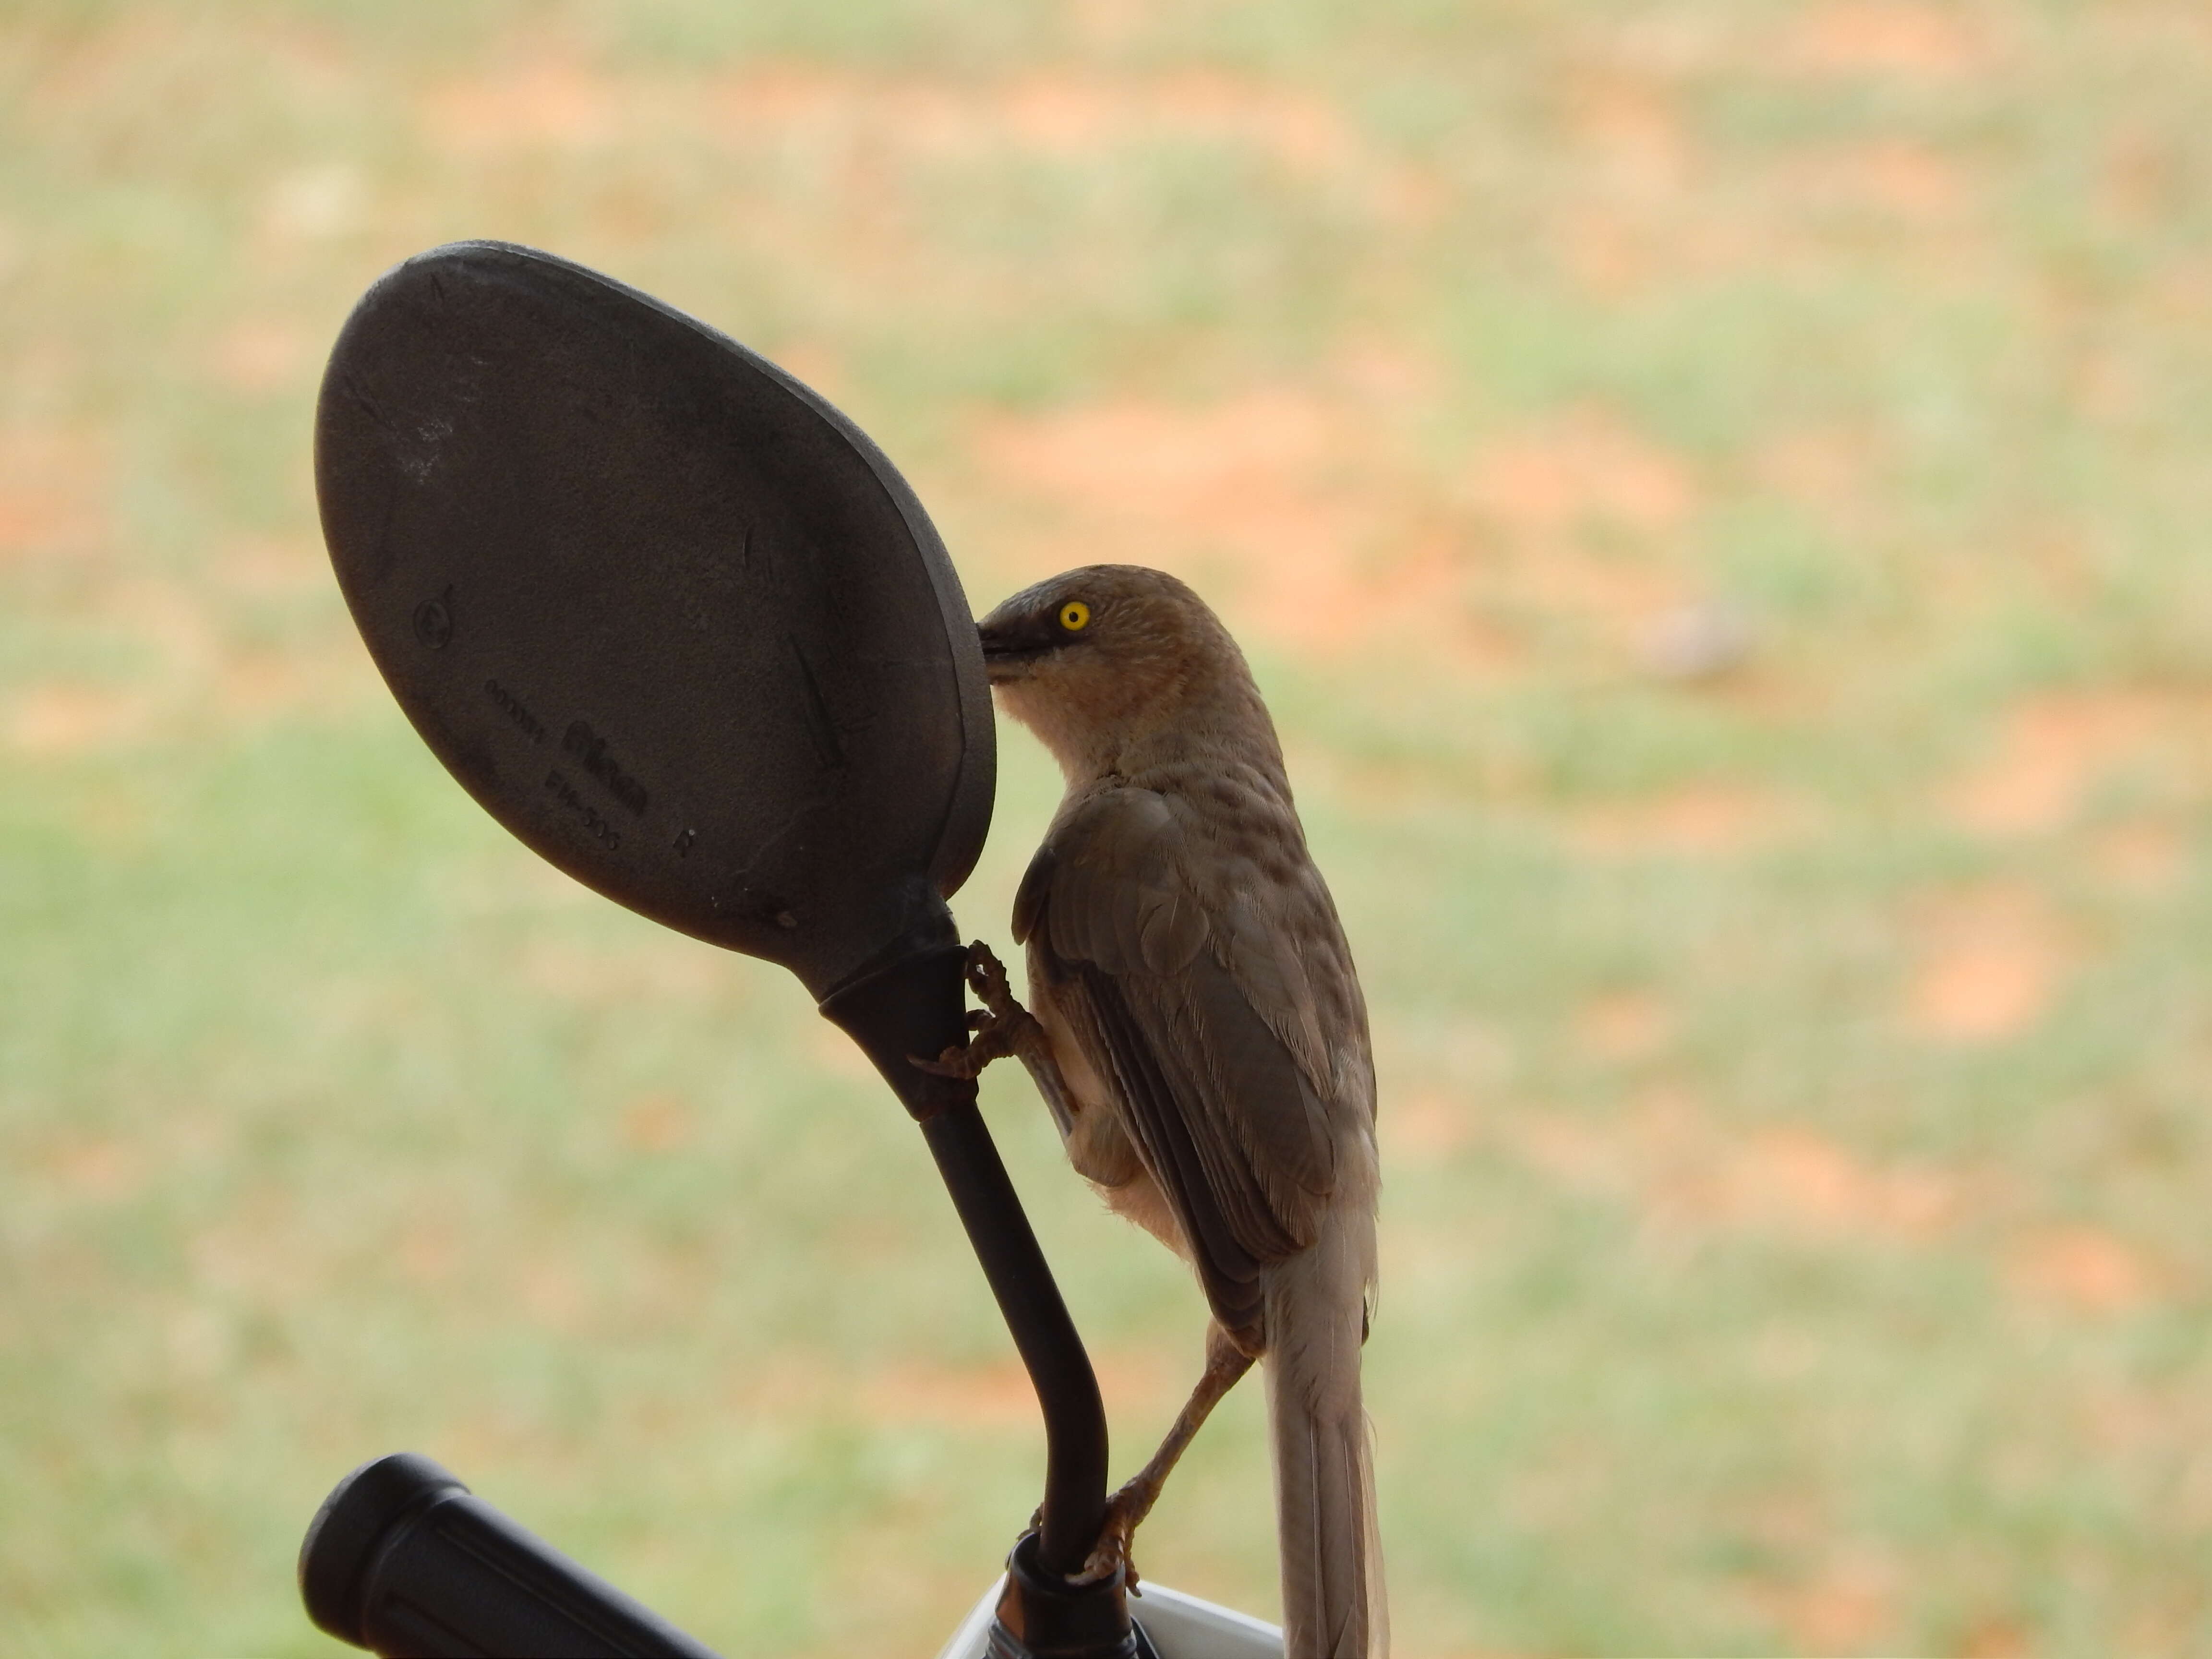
967	1061
1001	1026
1125	1511
986	978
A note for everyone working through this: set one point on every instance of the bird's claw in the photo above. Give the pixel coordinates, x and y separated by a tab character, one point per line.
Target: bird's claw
957	1062
1111	1553
998	1024
994	1040
986	978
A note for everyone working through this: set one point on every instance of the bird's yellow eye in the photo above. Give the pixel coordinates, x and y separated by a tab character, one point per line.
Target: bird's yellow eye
1074	615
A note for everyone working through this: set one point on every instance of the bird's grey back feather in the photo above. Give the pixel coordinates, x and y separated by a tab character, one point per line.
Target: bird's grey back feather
1177	983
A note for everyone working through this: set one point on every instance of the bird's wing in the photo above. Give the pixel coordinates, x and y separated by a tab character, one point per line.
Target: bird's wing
1188	997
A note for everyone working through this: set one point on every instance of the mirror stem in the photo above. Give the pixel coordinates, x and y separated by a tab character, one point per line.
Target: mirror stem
917	1005
1067	1387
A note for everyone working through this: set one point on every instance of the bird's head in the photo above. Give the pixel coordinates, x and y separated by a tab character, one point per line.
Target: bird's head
1100	660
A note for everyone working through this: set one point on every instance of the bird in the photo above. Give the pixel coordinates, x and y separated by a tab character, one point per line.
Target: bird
1197	1028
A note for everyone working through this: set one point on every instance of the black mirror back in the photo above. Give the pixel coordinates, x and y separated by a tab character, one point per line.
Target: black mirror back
668	616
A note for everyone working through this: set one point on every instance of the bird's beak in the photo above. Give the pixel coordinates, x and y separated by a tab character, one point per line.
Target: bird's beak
1011	643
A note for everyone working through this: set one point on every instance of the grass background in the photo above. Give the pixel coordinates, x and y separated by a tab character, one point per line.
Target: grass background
1717	493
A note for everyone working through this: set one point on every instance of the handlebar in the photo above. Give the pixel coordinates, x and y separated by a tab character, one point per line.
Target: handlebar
402	1560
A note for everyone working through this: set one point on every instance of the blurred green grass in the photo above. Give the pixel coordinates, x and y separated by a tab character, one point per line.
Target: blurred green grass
1793	1074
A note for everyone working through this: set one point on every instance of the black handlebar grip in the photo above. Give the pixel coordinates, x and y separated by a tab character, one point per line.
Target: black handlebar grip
402	1561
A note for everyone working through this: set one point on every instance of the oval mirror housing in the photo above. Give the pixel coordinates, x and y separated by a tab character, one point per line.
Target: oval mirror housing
669	617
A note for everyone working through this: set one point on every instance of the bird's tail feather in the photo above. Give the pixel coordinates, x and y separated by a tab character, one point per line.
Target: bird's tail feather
1332	1559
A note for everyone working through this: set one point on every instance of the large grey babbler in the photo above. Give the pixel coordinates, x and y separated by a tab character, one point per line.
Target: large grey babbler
1199	1034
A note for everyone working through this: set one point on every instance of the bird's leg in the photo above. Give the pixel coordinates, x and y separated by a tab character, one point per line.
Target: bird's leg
1226	1362
1002	1026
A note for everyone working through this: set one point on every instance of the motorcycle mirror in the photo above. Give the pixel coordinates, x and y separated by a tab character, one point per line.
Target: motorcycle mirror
665	612
676	622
